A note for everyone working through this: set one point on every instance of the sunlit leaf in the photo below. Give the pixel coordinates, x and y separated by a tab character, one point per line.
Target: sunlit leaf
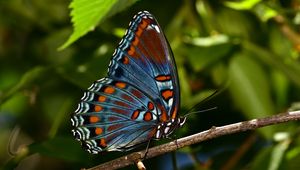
265	12
242	5
87	14
278	154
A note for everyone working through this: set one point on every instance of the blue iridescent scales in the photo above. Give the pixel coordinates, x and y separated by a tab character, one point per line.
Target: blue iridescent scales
138	100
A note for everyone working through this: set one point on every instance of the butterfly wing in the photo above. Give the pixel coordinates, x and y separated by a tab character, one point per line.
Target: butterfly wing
141	90
144	59
113	116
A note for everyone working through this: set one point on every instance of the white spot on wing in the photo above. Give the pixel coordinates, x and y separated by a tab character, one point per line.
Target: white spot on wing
156	28
78	109
170	102
73	121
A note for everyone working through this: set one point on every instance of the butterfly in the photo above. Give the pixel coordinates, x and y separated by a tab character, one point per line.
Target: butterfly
138	100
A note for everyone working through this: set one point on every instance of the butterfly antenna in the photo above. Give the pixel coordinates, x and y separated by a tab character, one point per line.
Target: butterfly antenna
201	111
216	92
201	103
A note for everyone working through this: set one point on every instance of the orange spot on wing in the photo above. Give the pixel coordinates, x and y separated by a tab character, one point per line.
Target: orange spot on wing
97	108
150	106
174	113
131	50
167	94
98	131
125	60
148	116
121	85
101	98
163	78
94	119
144	23
139	32
135	41
102	143
163	117
109	90
135	114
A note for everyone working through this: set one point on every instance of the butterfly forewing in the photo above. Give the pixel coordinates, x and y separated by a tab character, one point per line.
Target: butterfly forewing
144	59
141	91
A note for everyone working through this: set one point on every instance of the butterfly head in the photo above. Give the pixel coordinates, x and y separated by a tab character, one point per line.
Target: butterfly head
165	129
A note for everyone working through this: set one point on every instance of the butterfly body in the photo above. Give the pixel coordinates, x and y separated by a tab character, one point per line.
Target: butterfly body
138	100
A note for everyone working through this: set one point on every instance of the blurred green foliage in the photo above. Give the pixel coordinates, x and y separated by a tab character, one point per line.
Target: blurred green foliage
248	48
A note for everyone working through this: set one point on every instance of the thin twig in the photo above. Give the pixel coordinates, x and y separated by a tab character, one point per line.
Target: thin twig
292	35
214	132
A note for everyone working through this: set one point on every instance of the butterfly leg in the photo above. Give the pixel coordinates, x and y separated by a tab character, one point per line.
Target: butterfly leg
147	148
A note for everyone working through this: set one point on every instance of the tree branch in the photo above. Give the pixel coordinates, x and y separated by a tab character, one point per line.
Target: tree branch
214	132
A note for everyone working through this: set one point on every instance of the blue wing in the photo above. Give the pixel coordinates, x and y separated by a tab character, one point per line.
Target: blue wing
145	60
113	116
141	90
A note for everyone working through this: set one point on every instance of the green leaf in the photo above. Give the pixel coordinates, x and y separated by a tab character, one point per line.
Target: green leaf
242	5
61	147
249	88
293	157
287	65
238	24
261	159
27	79
202	56
184	86
60	116
277	155
87	14
264	12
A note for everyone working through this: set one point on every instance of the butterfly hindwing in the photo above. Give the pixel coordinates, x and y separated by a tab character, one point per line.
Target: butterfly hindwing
113	115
